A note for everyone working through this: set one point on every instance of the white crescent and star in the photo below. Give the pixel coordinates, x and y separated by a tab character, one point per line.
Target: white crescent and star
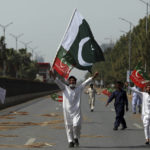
62	61
136	74
80	58
63	64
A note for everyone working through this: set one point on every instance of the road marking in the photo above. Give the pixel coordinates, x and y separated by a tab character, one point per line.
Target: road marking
138	126
30	141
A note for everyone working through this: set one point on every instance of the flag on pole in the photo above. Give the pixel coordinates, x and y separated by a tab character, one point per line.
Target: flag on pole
57	97
139	77
78	48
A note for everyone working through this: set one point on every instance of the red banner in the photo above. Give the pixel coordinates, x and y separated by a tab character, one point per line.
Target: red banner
106	92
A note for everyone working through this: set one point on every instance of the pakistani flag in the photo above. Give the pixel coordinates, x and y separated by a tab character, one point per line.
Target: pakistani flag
78	48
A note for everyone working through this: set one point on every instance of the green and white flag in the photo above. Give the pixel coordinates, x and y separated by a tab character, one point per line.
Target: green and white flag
78	48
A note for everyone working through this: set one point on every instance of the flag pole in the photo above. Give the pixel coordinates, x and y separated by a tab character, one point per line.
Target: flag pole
64	34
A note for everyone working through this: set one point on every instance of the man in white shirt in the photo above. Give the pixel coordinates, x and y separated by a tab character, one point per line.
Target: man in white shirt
145	97
72	107
91	91
136	100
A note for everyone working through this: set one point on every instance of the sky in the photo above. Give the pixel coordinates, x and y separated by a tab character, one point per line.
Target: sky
44	22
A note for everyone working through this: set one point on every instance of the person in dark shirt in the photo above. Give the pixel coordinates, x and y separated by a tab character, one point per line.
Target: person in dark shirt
121	101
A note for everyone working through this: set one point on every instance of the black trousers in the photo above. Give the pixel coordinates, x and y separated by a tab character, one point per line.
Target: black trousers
120	117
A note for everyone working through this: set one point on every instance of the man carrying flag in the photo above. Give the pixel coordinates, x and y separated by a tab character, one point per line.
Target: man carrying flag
145	96
71	106
78	48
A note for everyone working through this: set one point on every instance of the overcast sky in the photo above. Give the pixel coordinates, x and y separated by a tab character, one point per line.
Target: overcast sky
44	21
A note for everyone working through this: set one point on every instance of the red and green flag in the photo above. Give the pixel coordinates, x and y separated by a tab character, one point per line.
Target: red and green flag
57	97
78	48
138	76
107	91
61	65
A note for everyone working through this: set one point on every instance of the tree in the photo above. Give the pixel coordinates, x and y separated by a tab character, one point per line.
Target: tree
117	58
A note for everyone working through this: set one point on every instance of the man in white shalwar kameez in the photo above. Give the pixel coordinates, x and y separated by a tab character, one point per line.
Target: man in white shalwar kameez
136	100
145	97
91	91
71	107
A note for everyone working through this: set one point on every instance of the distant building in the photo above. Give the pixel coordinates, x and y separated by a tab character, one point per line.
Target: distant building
43	70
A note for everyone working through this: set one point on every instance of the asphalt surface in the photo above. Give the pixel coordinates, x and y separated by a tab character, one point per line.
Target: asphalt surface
38	124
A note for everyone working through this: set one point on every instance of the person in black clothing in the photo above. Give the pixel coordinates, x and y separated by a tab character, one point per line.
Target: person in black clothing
121	101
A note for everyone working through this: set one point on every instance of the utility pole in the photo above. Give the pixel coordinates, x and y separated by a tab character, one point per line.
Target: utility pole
146	26
32	51
26	44
111	41
147	5
16	37
130	26
4	30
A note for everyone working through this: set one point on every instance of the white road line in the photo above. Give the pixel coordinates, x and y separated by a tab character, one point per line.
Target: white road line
30	141
138	126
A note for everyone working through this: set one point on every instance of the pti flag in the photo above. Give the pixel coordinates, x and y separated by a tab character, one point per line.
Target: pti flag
139	77
107	91
78	48
56	97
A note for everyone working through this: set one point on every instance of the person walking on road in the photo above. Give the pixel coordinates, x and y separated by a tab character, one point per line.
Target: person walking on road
121	101
72	107
145	97
91	91
136	100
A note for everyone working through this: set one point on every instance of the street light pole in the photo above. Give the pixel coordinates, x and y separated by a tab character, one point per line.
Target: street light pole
123	31
111	42
26	44
4	28
147	4
16	37
129	47
32	50
130	23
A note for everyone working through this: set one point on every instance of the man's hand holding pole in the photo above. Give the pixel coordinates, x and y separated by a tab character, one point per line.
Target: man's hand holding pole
95	75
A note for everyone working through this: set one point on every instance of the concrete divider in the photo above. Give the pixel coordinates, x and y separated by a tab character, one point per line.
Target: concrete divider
14	100
19	91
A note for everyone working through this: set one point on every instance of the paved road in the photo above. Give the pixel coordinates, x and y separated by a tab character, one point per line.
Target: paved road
38	124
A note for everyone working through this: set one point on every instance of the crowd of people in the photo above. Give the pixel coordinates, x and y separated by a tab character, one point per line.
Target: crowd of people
72	107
